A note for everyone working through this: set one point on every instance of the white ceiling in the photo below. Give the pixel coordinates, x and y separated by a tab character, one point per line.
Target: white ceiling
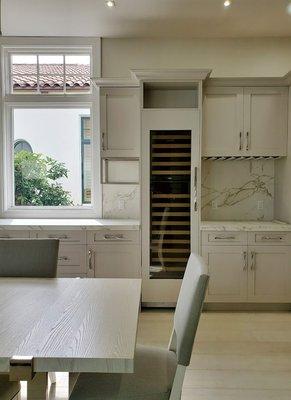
146	18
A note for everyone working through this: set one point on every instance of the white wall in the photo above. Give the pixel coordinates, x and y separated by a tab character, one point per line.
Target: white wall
226	57
56	133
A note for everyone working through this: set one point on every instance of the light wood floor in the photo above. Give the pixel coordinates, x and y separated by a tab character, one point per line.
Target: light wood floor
237	356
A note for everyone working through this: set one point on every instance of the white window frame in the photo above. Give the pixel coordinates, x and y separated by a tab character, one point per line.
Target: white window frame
11	101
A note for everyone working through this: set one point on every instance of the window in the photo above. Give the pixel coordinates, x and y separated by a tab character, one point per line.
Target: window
48	105
86	158
53	174
49	73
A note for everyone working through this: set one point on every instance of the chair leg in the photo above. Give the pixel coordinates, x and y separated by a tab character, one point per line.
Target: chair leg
52	377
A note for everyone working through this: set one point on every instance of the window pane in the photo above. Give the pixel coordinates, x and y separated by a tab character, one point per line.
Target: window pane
77	72
49	84
24	70
53	168
51	65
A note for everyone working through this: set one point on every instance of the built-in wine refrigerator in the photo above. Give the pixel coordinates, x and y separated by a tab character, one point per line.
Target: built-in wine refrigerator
170	160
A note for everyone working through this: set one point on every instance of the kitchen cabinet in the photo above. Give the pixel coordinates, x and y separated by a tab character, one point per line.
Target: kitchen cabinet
119	122
246	121
222	121
252	267
114	260
269	274
227	266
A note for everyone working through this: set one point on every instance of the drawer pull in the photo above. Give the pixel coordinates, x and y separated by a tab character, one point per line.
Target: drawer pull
273	238
224	238
58	237
113	237
63	258
4	237
253	260
90	255
245	261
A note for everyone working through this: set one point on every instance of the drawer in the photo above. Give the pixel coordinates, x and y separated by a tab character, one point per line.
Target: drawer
110	236
265	238
72	259
73	236
7	234
218	237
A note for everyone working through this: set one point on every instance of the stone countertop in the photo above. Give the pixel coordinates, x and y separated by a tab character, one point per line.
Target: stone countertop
86	224
262	226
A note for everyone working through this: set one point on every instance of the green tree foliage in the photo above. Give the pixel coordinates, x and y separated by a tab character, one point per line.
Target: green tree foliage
36	183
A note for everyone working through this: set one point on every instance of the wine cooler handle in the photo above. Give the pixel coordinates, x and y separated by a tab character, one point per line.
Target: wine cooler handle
195	188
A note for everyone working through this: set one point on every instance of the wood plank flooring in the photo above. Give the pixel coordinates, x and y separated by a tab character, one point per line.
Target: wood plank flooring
237	356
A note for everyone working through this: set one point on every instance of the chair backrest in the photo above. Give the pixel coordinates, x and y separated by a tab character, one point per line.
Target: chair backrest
29	258
189	307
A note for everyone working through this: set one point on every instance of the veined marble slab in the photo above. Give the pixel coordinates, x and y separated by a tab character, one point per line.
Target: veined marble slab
88	224
263	226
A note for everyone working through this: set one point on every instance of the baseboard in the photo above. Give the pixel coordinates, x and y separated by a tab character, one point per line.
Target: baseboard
247	307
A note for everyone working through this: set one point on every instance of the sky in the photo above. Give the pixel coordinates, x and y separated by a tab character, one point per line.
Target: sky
51	59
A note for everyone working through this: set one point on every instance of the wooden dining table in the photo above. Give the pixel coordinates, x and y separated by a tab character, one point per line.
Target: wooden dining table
66	325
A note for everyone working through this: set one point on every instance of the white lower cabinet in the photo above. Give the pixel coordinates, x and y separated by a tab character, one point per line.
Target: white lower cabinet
269	274
227	266
249	273
72	261
114	260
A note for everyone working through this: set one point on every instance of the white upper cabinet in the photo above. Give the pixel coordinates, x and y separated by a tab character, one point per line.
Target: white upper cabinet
265	121
250	121
223	121
120	122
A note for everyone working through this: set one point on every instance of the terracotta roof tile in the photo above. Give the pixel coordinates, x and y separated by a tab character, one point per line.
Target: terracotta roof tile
77	76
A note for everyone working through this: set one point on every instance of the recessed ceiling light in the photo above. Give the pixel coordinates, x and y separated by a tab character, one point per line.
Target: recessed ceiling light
110	3
227	3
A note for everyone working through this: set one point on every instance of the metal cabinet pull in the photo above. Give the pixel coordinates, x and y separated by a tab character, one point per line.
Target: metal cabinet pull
273	238
103	145
113	237
90	256
253	260
63	258
245	260
4	237
58	236
248	141
224	238
240	142
195	189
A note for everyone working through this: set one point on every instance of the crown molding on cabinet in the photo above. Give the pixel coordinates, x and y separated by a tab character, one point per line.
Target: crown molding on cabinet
114	82
170	75
251	82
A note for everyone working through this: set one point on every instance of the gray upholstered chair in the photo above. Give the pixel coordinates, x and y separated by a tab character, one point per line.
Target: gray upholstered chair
29	258
8	390
158	373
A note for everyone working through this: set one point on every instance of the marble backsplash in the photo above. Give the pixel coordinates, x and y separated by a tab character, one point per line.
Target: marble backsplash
238	190
121	201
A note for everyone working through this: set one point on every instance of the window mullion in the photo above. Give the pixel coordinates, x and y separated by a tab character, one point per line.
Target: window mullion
37	73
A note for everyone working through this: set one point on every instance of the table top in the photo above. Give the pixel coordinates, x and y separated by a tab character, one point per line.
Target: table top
70	325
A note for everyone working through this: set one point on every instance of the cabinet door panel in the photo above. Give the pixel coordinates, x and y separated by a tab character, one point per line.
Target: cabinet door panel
223	122
265	121
117	261
270	274
227	266
120	122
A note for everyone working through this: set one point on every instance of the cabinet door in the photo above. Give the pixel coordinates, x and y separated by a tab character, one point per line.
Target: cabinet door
269	274
228	270
120	122
223	122
265	121
115	261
